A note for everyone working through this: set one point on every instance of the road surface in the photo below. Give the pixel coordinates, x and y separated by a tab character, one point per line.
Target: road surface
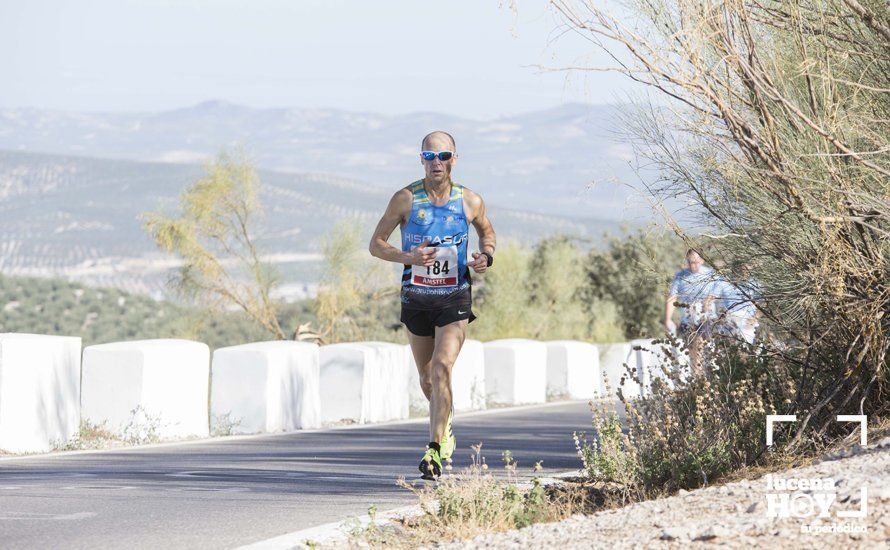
235	491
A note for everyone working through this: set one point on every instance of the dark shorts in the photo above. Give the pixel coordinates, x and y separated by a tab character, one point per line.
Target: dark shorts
421	322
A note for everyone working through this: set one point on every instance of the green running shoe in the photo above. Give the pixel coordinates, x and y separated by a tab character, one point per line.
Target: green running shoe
448	442
431	465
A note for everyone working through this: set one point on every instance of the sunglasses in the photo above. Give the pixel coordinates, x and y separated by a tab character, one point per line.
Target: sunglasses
443	155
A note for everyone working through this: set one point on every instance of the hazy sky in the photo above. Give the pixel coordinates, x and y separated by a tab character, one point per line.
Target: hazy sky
463	57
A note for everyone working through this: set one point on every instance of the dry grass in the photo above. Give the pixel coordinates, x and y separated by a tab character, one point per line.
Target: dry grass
92	436
695	431
476	501
621	467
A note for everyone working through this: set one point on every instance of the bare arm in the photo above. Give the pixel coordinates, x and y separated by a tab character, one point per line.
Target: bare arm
669	312
397	211
479	218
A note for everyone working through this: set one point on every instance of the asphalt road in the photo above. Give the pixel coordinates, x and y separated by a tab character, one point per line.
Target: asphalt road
235	491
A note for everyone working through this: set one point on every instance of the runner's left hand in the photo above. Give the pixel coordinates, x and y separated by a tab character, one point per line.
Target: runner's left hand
479	263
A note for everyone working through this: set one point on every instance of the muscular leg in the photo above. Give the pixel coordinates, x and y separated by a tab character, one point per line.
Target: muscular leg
448	341
422	349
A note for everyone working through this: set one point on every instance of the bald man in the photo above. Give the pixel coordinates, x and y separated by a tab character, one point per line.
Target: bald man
434	214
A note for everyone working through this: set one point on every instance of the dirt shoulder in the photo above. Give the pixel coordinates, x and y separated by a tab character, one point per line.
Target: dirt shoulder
737	514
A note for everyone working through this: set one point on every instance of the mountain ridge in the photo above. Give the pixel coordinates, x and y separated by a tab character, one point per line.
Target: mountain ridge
541	160
77	217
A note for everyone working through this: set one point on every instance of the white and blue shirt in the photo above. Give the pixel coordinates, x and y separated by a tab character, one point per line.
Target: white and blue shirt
691	290
447	282
736	298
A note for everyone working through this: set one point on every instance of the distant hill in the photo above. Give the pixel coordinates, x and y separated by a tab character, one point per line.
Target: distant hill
567	161
78	218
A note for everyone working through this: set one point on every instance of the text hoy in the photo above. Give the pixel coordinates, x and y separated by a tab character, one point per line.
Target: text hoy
804	498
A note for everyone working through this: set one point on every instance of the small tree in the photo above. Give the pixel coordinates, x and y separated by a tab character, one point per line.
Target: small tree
633	271
557	275
503	297
355	289
214	237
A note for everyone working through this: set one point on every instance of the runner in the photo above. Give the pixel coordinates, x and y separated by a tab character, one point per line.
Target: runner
690	289
736	305
434	214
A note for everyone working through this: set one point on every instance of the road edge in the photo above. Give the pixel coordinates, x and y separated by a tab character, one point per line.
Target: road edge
249	437
335	532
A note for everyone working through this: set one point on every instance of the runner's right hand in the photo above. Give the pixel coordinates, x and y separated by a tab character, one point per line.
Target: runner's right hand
423	255
670	327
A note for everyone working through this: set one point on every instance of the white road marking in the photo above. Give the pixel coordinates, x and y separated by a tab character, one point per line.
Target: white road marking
112	487
46	517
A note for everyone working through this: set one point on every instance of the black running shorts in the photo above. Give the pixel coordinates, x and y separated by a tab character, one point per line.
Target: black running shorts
421	322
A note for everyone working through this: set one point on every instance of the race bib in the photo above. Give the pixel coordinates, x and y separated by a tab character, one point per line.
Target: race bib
443	272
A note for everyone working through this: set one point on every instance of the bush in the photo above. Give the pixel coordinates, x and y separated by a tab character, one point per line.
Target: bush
358	298
633	272
541	294
775	136
474	502
502	298
691	430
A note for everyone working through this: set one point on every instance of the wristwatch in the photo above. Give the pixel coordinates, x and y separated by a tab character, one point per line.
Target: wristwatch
490	258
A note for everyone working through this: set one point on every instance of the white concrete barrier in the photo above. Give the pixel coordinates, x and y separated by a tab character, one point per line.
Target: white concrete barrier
39	391
613	356
395	359
468	377
418	404
573	370
147	387
467	380
363	382
516	371
265	387
656	361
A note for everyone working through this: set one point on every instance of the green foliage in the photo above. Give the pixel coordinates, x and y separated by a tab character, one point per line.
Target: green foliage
100	315
544	294
503	297
358	296
213	235
691	430
358	300
775	136
57	307
633	272
555	290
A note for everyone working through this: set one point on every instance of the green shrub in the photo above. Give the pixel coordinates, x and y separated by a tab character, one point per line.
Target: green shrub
632	271
542	294
690	430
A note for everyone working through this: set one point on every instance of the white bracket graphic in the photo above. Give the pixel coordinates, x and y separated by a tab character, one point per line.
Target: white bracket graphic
863	506
770	419
863	425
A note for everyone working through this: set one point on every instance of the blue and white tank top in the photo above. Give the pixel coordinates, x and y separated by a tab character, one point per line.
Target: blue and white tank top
447	282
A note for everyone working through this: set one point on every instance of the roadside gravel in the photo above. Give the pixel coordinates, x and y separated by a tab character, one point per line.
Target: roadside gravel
731	516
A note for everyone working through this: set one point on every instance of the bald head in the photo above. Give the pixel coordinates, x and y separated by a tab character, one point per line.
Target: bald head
438	139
